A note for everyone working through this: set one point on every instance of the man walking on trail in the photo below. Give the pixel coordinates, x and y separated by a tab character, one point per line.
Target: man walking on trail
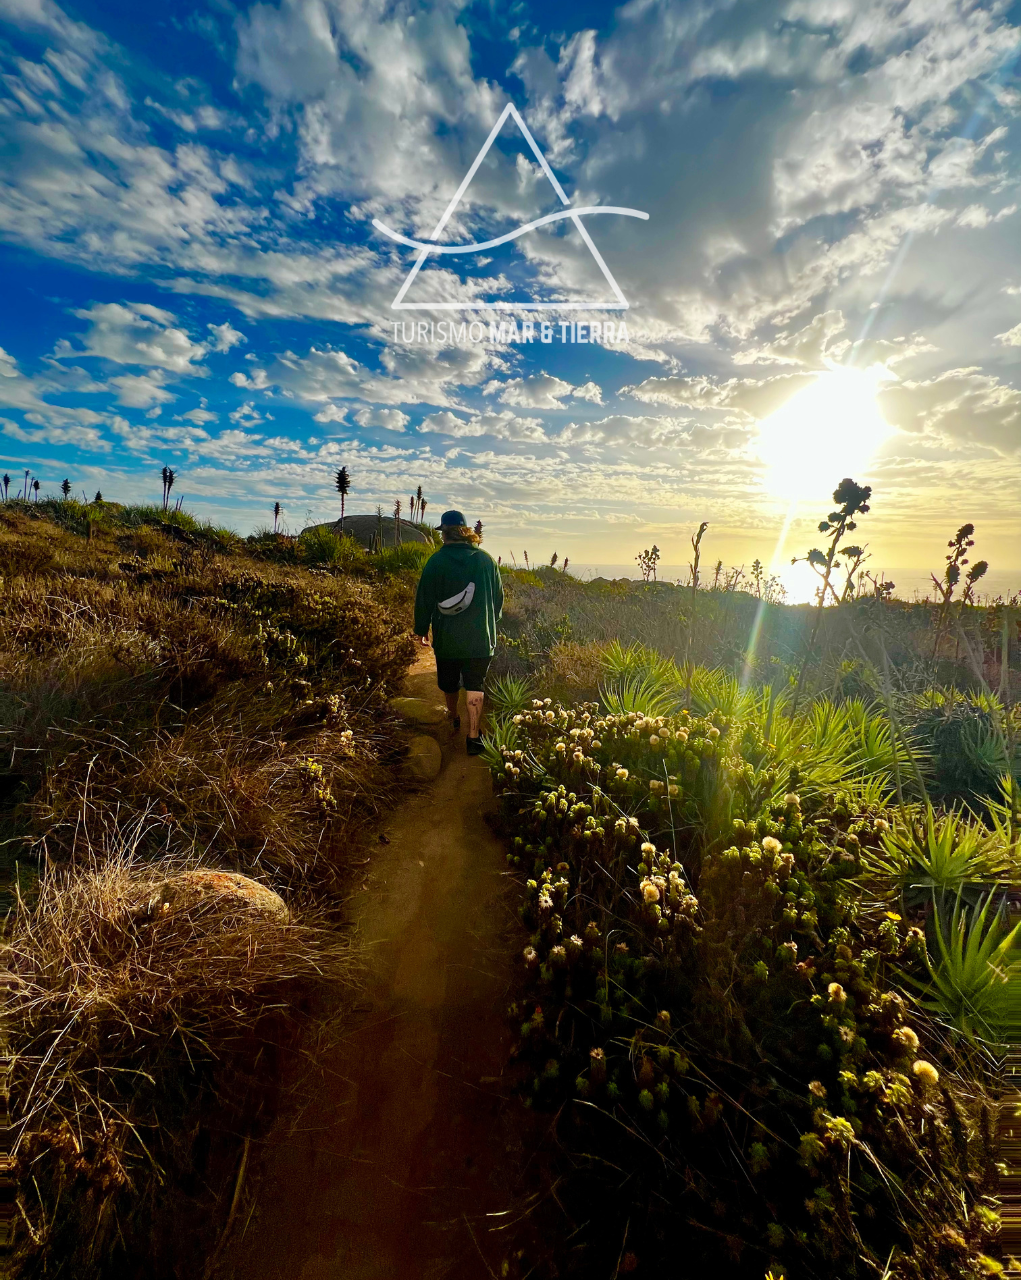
460	595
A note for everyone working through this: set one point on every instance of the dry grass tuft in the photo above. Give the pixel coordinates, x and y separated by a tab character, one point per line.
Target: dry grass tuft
136	994
186	733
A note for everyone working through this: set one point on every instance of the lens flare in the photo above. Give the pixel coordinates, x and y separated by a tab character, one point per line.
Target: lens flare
830	429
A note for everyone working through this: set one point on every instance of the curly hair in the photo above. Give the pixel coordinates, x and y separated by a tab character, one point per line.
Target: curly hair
460	533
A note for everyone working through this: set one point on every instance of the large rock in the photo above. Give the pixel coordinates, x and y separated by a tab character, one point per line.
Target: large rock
425	759
418	711
229	892
364	528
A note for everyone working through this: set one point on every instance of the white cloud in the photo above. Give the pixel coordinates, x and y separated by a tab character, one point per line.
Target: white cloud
537	391
1012	338
388	419
140	391
589	391
504	425
756	397
806	346
963	407
447	424
246	414
225	336
136	333
649	432
414	375
256	381
80	437
200	416
331	413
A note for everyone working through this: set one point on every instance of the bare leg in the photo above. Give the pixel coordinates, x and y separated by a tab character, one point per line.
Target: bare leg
451	703
474	701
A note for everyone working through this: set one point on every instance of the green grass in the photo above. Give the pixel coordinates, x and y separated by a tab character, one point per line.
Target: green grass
324	548
408	557
153	514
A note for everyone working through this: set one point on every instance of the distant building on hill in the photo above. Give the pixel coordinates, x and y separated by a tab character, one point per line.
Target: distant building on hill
365	528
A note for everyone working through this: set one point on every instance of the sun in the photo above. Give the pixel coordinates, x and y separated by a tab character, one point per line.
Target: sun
830	429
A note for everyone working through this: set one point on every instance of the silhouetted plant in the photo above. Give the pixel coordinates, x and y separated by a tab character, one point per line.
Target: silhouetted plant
397	523
276	516
978	570
696	545
65	488
478	529
168	477
35	489
25	494
7	484
960	544
342	481
856	557
647	562
415	506
553	560
854	500
881	589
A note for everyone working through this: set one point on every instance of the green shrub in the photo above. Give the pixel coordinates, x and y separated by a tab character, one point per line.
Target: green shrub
706	976
265	544
221	537
973	979
322	547
409	557
153	514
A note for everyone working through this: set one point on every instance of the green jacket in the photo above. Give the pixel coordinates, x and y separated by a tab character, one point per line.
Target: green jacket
448	573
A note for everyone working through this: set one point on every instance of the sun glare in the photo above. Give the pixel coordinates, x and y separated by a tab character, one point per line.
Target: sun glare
828	430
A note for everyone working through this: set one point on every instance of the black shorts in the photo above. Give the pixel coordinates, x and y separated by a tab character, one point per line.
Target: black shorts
452	672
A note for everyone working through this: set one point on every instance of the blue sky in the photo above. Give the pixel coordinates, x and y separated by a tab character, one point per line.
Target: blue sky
191	275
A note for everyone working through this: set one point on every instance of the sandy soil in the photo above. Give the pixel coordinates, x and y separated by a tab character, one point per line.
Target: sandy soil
405	1165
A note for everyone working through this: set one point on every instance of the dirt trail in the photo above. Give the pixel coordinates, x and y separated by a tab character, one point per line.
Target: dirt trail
415	1139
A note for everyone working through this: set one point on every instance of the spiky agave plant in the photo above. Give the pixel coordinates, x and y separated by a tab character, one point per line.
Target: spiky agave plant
644	695
1005	820
718	690
510	694
974	982
990	751
638	661
930	853
501	734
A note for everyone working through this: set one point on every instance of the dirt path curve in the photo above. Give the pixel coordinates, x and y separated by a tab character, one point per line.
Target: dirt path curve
415	1140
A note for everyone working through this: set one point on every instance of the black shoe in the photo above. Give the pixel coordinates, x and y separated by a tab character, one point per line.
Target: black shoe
456	722
473	746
